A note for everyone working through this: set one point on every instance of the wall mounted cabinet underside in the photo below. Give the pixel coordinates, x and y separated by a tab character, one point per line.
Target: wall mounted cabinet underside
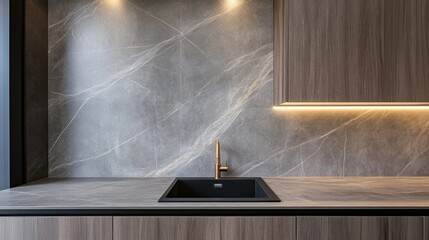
366	52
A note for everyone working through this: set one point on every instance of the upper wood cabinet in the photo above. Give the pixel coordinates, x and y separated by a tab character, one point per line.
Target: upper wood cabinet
351	52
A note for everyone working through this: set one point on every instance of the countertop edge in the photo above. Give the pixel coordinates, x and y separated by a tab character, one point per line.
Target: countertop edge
221	211
139	197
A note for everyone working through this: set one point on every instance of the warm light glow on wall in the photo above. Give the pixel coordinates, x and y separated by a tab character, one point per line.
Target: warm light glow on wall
351	106
230	4
116	4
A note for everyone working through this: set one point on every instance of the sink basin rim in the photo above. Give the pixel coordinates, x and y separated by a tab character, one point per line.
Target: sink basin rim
271	196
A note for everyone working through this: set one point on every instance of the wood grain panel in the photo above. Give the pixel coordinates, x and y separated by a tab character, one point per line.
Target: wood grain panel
422	23
365	48
256	228
281	44
318	33
399	51
369	228
410	228
375	228
351	51
54	228
328	228
426	228
166	228
392	228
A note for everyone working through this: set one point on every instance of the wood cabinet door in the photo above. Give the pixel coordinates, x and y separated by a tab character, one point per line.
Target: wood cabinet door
335	51
426	230
257	228
351	228
56	228
406	55
342	51
166	228
317	52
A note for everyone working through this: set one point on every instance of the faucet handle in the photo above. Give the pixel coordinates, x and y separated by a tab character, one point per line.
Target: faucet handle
223	168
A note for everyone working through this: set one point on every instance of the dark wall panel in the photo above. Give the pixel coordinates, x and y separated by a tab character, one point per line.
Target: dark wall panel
23	106
36	86
4	93
16	84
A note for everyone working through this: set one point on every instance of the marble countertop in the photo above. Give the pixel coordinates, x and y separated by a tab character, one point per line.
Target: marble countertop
143	193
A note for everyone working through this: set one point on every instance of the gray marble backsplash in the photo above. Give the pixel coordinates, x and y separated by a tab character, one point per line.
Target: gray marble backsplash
144	88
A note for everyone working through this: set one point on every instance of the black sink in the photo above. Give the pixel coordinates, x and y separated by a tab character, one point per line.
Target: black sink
223	190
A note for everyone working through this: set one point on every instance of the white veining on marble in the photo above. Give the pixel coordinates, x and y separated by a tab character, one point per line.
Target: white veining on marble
133	138
80	15
322	138
345	153
412	161
146	91
302	161
144	57
218	127
308	158
70	122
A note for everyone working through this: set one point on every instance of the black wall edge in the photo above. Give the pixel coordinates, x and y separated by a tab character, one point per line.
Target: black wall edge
27	158
36	89
17	93
4	94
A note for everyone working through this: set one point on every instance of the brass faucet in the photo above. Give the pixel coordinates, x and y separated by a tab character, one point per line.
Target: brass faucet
219	167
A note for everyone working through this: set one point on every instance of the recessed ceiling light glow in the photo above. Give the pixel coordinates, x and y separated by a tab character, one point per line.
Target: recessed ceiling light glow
114	3
230	4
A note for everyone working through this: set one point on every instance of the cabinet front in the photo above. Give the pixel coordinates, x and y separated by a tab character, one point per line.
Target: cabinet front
353	52
257	228
54	228
204	228
357	228
166	228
